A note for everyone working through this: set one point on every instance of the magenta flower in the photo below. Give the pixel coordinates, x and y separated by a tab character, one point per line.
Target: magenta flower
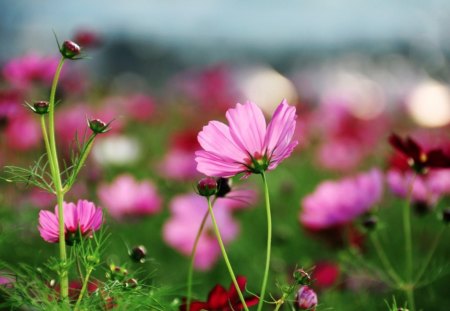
246	146
181	229
127	197
21	72
306	299
336	203
80	219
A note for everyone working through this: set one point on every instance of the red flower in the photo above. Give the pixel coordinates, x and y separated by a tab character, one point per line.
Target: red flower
219	299
419	159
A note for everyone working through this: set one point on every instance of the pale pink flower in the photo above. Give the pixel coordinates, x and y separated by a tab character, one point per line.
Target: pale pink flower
246	145
181	229
21	72
127	197
23	132
336	203
80	219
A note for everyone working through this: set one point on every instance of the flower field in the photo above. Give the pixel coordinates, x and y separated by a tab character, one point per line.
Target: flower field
193	193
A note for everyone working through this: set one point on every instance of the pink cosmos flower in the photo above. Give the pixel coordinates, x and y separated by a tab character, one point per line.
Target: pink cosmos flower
335	203
82	218
181	229
127	197
23	71
246	145
23	132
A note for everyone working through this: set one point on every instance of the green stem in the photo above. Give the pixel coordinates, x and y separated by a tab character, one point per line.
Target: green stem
191	262
47	147
269	242
84	154
53	158
409	289
83	289
280	302
430	255
225	256
384	259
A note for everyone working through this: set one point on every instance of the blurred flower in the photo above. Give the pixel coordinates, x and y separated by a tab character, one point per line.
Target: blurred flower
23	132
87	38
306	299
346	139
127	197
6	279
75	289
246	146
23	71
325	274
181	229
335	203
139	107
179	161
80	219
418	157
429	187
219	299
212	87
116	150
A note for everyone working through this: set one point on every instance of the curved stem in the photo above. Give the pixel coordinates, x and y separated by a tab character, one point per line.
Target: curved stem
384	259
191	262
83	289
53	157
269	242
225	256
430	255
47	147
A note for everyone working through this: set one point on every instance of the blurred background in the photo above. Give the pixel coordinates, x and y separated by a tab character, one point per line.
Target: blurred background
356	71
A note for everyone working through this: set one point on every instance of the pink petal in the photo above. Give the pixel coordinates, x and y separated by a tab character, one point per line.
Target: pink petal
247	127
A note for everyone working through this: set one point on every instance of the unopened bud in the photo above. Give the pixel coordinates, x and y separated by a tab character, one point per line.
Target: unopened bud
306	299
207	186
302	277
446	215
223	187
40	107
138	254
70	49
370	222
98	126
131	283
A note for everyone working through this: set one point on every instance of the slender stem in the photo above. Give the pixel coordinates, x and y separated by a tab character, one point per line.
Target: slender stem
430	254
269	242
384	259
83	289
47	146
53	158
225	256
409	290
280	302
80	272
191	262
84	154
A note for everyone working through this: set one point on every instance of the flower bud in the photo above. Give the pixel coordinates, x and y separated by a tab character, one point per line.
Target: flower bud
70	49
92	259
223	187
302	277
306	299
138	254
98	126
370	222
41	107
207	186
446	215
131	283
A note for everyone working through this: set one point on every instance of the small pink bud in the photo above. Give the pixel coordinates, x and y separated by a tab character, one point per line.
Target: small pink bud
70	49
306	299
40	107
207	186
